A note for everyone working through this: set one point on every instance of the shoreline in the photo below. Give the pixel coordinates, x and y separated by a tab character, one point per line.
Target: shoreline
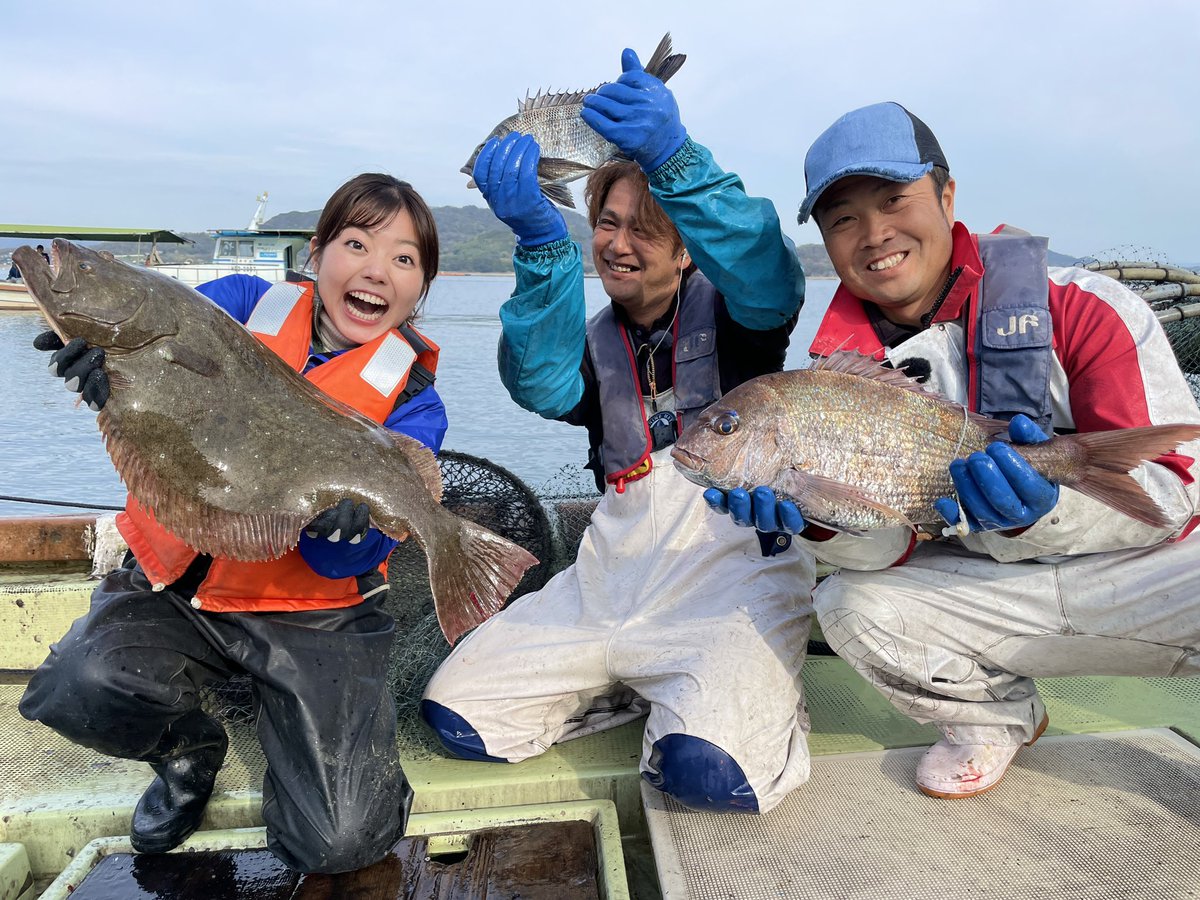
807	277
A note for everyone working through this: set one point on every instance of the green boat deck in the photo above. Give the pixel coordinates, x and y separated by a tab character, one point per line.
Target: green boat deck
56	797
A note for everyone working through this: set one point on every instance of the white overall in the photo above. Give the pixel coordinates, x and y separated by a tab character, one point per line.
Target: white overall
668	607
955	635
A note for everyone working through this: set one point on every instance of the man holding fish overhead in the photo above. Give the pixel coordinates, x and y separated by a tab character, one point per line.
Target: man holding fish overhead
1033	578
667	610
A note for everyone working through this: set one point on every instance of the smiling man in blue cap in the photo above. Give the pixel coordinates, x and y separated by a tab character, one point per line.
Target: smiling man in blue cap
1032	579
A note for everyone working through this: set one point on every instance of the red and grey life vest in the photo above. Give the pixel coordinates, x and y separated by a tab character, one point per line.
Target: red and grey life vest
696	382
373	378
1014	338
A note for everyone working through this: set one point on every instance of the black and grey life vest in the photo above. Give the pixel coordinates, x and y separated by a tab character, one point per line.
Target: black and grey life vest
1014	335
625	451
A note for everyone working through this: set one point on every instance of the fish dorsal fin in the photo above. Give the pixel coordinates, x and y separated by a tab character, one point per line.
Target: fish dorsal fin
851	362
422	460
546	99
203	527
818	498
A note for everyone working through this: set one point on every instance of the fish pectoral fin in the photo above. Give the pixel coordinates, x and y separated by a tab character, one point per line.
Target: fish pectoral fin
559	168
185	356
819	497
560	194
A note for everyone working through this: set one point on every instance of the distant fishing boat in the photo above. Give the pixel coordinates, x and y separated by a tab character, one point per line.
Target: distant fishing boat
267	253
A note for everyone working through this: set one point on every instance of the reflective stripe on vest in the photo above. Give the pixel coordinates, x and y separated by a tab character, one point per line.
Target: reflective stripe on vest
1014	342
696	381
288	583
378	372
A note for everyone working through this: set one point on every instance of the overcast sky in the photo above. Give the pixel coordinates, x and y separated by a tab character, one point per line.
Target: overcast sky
1079	120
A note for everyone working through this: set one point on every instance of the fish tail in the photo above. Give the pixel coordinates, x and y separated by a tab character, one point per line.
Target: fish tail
663	63
1105	459
471	573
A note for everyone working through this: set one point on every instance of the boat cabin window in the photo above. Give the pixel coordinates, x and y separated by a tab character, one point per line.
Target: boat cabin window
229	247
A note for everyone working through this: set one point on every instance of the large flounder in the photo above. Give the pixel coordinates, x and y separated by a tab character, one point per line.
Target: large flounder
859	446
234	452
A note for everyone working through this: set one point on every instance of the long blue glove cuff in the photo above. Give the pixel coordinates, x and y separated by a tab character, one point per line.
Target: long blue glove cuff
544	232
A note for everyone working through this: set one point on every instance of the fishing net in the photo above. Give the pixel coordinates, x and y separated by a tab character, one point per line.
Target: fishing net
476	489
1171	291
493	497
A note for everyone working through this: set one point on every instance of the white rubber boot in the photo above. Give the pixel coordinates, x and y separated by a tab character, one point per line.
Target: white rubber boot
952	771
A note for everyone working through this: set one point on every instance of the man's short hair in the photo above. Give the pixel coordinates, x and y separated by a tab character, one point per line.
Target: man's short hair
650	216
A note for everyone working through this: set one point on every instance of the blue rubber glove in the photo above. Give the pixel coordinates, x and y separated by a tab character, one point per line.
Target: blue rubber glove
997	488
637	113
79	365
775	521
506	172
348	520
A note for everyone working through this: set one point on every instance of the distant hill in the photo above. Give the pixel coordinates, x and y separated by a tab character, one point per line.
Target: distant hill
1060	259
471	238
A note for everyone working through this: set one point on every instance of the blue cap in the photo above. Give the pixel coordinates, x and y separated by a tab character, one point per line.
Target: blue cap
884	140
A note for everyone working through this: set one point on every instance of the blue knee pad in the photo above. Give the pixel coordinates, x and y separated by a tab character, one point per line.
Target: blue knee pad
455	733
700	775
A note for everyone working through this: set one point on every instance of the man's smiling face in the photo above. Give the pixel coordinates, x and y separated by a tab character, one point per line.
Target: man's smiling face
889	242
638	271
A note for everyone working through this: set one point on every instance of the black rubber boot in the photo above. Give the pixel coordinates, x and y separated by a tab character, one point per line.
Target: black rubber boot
186	762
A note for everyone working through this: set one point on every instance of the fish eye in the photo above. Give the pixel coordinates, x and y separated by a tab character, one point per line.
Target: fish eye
725	423
85	267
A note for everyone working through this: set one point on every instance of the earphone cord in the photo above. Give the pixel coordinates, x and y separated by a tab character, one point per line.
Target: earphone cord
650	369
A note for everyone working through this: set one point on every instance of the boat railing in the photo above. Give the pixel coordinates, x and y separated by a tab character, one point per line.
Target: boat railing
199	273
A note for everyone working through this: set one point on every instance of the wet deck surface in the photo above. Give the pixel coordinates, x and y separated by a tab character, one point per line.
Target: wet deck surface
531	862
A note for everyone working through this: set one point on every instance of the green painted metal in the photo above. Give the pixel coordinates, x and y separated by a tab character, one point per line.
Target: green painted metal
76	233
452	831
56	797
15	874
34	615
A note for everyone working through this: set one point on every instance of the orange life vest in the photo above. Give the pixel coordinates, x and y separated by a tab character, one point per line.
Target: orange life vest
370	378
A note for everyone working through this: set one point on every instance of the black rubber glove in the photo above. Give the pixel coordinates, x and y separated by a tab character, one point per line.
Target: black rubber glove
346	520
80	366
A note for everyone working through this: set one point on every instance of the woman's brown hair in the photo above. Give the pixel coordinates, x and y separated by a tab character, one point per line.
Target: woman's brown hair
370	200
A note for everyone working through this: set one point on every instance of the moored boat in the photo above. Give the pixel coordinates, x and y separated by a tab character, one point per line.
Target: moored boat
253	250
266	252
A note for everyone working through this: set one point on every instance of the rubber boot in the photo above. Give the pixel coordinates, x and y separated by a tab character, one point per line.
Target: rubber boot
186	763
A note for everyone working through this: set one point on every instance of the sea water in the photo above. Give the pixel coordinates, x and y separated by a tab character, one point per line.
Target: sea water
50	448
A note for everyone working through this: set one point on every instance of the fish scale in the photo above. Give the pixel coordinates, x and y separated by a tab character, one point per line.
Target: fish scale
904	426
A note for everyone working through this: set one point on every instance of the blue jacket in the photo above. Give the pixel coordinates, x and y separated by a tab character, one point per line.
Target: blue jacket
734	239
423	417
